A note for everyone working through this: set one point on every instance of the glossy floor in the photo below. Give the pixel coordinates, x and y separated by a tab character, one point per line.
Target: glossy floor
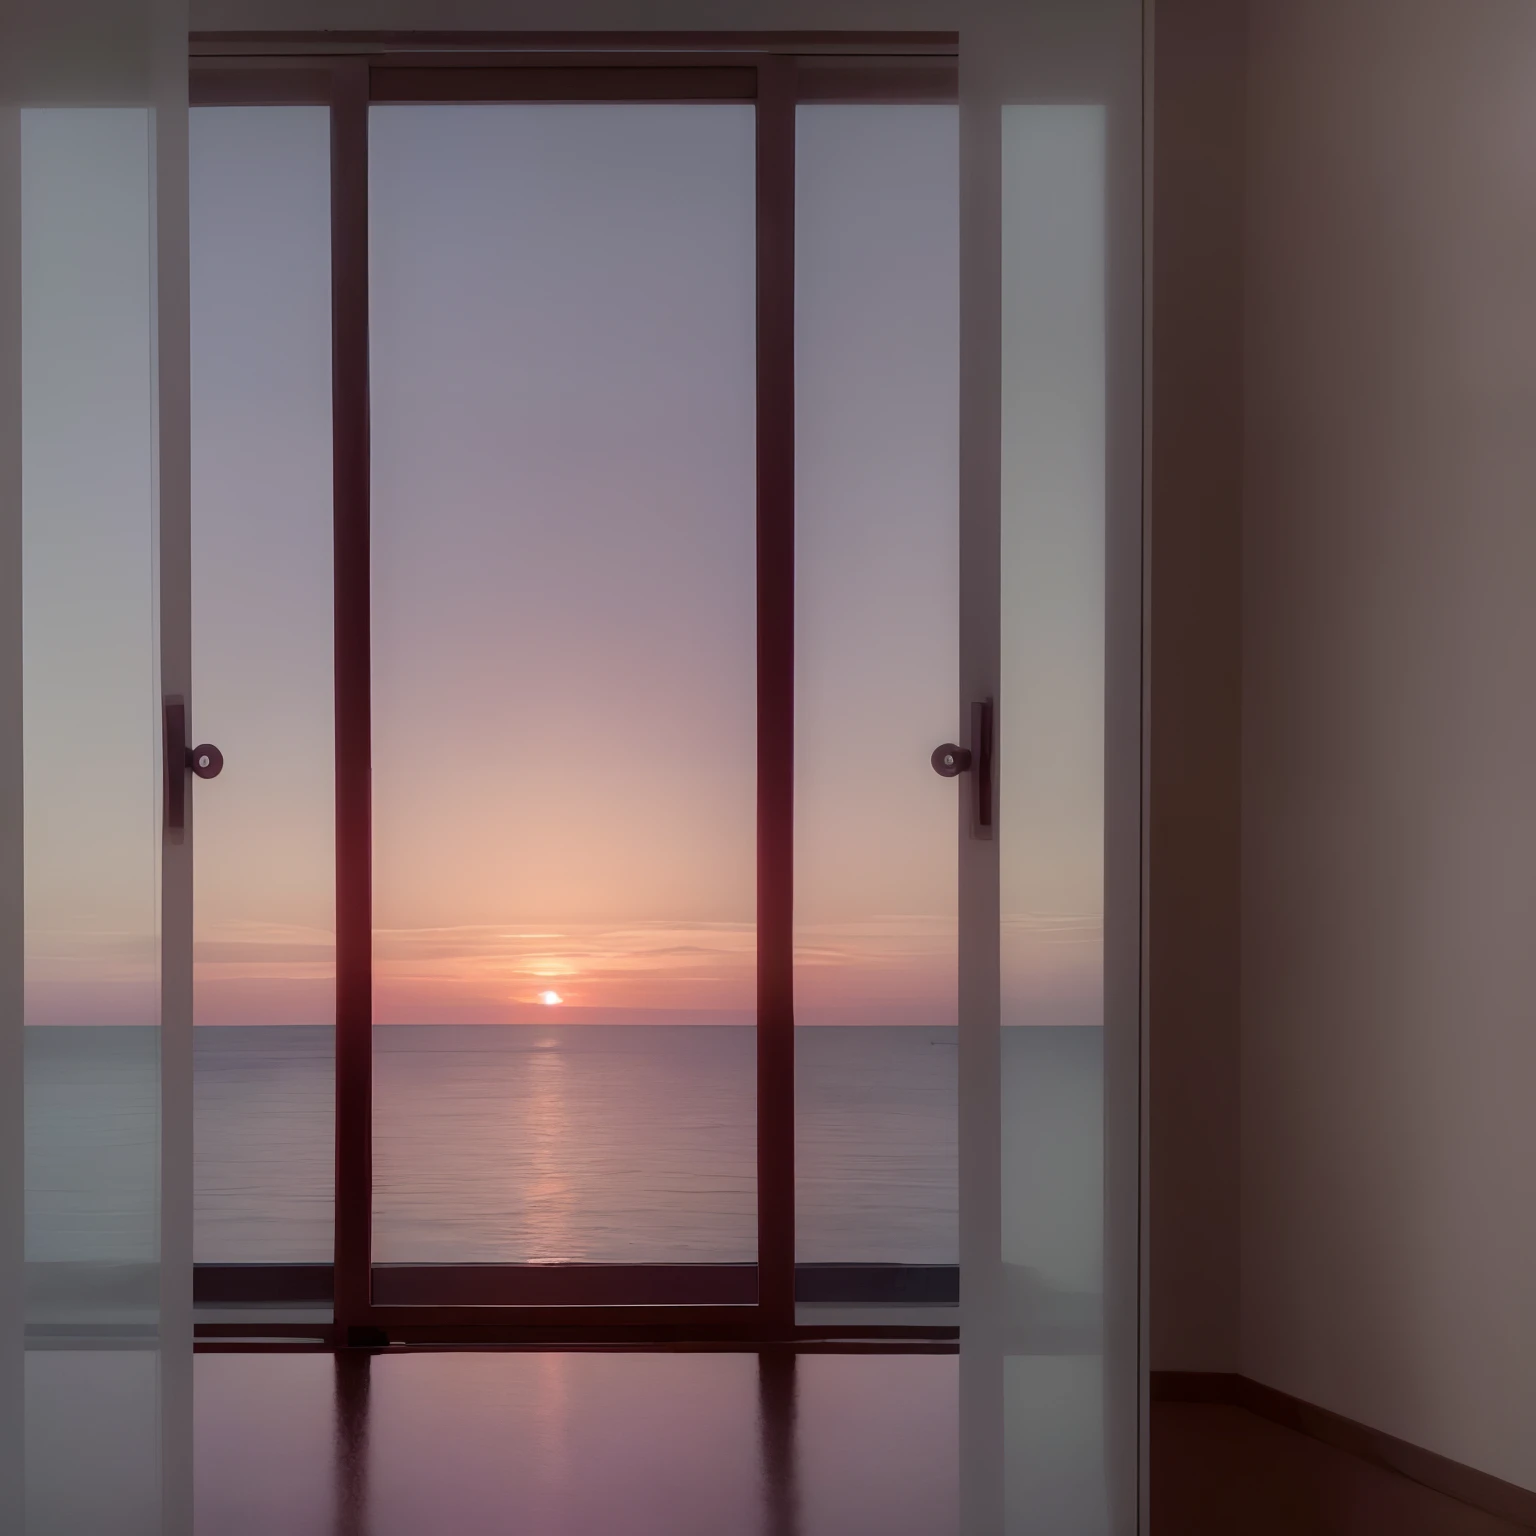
582	1442
1222	1471
576	1443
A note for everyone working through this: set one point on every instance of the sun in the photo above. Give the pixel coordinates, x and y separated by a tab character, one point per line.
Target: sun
550	999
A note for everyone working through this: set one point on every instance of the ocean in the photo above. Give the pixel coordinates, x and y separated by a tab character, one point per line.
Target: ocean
577	1143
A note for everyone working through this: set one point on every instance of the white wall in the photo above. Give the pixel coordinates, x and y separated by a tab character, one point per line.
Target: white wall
1389	719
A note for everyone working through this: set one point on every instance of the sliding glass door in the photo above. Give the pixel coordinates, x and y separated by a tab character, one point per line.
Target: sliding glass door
616	823
660	558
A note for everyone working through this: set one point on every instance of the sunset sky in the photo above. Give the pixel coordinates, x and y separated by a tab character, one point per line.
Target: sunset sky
563	506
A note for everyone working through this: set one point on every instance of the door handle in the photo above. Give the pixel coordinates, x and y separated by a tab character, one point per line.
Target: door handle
206	761
950	761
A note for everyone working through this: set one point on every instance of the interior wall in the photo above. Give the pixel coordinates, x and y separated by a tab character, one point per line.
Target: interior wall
1389	733
1193	613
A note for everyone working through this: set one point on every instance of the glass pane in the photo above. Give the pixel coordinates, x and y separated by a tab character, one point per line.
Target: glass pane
92	828
1051	765
877	626
92	782
1051	734
261	643
564	713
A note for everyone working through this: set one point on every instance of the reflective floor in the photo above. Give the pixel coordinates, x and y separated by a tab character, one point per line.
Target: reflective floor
576	1443
1222	1471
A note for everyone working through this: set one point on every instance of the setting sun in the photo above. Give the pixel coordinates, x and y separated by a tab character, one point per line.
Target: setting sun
549	999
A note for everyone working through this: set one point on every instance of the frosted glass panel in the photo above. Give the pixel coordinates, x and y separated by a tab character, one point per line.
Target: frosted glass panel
1051	752
1051	725
88	619
90	722
1054	1481
92	830
262	622
1051	736
564	696
877	633
93	1442
1051	836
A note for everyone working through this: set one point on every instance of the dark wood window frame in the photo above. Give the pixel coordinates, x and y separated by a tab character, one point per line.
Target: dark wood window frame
707	1303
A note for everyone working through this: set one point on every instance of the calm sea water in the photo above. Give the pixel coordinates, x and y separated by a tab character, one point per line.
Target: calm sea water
580	1143
592	1143
583	1143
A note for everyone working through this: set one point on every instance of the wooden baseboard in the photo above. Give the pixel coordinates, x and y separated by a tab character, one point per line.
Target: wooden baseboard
1483	1491
1194	1386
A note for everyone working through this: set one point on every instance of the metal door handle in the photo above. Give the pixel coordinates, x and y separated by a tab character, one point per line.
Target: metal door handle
206	761
983	748
950	761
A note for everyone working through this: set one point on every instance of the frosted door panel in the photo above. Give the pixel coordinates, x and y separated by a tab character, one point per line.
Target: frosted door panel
1051	728
564	695
92	1038
261	622
92	790
1061	1471
877	633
